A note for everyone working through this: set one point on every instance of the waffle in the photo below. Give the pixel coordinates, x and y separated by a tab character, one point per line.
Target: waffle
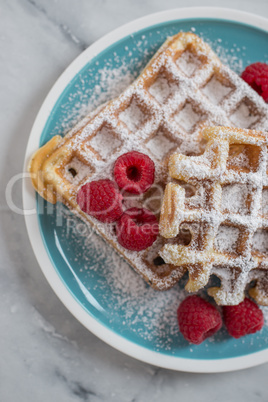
183	88
225	214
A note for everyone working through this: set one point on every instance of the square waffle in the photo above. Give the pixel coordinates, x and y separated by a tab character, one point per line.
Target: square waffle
183	88
224	213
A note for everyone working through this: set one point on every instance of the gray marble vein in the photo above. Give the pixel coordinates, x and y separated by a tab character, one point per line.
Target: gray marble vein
46	354
70	36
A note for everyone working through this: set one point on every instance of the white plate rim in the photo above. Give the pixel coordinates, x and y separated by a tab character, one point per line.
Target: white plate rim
29	201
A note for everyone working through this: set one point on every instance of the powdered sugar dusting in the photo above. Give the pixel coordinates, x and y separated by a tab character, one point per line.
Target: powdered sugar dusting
242	117
216	91
132	300
105	143
264	202
160	89
187	117
111	83
132	116
160	145
226	239
234	198
228	221
76	171
188	63
260	241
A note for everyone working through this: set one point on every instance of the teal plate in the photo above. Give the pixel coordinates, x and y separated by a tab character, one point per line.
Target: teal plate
97	279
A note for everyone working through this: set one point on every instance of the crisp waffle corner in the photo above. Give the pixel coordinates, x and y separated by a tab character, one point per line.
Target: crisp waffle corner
220	197
182	89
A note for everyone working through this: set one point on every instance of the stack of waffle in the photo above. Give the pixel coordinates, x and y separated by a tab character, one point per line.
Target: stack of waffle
183	88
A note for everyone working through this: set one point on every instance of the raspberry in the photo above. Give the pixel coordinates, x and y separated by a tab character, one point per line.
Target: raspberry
256	75
137	229
134	172
198	319
243	319
101	199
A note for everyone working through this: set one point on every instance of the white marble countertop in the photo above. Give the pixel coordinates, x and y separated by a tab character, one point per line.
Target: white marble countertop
45	353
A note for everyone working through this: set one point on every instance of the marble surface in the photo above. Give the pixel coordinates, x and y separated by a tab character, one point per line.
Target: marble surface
45	353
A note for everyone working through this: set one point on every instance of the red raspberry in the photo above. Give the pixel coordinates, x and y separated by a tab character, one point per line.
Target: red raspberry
243	319
101	199
137	229
256	75
134	172
198	319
